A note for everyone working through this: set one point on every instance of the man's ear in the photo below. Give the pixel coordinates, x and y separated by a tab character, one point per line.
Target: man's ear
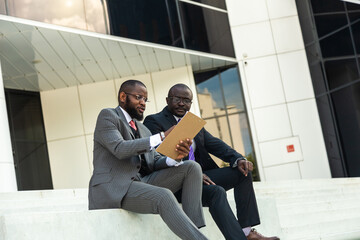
122	97
167	100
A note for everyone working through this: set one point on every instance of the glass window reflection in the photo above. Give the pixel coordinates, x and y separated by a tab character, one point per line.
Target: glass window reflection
210	98
2	7
232	91
95	18
215	3
206	30
69	13
340	72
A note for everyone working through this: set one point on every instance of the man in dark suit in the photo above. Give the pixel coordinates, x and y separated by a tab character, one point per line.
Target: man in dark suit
130	174
216	180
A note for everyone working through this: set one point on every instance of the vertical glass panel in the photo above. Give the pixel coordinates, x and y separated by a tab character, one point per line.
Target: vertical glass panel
95	19
219	127
330	137
28	140
347	111
68	13
242	141
354	16
153	21
328	23
232	91
338	44
206	30
340	72
321	6
352	6
210	98
356	34
2	7
215	3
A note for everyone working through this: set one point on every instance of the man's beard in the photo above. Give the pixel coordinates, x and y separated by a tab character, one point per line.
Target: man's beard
132	111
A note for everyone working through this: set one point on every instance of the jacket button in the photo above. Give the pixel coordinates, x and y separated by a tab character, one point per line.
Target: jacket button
132	178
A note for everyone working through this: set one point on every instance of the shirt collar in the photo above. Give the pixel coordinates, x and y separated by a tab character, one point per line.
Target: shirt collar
177	118
127	116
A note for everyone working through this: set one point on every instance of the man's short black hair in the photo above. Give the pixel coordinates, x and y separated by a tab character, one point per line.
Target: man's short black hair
128	85
179	85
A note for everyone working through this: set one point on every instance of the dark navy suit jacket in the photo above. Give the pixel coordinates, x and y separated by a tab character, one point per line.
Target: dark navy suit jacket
205	142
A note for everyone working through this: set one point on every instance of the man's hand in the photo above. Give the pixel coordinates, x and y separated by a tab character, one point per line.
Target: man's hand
183	148
245	166
207	180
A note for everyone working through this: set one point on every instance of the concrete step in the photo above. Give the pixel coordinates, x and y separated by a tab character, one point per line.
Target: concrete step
319	217
295	184
318	206
44	194
320	230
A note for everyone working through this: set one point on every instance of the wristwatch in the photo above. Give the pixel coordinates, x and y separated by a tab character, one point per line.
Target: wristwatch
162	136
237	160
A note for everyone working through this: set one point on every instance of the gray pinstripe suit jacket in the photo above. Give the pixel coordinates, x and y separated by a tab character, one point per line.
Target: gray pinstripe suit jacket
116	158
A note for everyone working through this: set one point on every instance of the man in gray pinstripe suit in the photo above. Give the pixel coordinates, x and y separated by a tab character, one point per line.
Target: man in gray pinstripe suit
130	174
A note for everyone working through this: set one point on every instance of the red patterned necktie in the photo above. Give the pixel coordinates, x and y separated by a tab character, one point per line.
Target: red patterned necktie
132	125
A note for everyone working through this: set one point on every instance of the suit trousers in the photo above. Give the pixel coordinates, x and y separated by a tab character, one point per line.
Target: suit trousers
214	197
154	194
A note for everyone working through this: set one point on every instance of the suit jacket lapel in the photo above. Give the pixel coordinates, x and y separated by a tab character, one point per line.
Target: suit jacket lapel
170	118
123	119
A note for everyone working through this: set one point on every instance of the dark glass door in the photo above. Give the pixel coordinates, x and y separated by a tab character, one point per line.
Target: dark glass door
28	140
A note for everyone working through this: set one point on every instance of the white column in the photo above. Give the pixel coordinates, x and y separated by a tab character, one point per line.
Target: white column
7	170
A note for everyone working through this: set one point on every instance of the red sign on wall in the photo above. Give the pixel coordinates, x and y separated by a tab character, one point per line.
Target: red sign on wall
290	148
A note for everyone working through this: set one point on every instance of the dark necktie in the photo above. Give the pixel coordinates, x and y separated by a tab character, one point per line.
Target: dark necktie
191	152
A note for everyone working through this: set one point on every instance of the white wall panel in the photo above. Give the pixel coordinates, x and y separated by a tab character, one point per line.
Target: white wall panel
277	152
272	123
281	8
264	82
62	115
69	163
295	76
253	40
282	172
93	98
245	12
287	34
305	123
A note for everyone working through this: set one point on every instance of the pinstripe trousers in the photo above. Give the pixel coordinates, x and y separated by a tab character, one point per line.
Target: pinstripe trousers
154	194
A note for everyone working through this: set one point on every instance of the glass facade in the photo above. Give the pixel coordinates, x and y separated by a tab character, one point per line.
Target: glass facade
331	31
169	22
222	106
28	140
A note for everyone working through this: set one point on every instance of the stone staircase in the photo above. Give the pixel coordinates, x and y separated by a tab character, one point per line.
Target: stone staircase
325	209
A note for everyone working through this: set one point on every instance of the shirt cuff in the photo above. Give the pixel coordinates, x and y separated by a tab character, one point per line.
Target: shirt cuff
155	140
171	162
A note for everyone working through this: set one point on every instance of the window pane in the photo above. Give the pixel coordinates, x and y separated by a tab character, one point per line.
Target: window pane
338	44
153	21
352	6
2	7
65	13
210	98
240	133
232	91
206	30
354	16
356	33
215	3
340	72
218	127
95	16
321	6
347	110
328	23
